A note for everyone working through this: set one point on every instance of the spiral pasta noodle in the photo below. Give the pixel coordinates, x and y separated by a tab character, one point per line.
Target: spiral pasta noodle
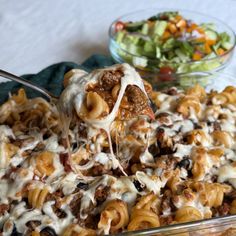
8	150
222	138
37	196
187	214
143	219
204	159
189	104
197	91
227	96
211	194
115	214
94	107
144	213
198	137
76	230
44	163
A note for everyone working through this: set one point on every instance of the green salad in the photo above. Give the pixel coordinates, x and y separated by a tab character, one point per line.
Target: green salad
167	42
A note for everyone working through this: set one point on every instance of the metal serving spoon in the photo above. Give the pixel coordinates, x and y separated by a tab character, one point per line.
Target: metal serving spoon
54	99
29	84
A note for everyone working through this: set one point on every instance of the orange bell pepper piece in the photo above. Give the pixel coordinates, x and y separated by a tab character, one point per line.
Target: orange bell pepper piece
181	24
172	28
220	51
200	30
166	35
197	56
200	40
178	18
210	42
207	48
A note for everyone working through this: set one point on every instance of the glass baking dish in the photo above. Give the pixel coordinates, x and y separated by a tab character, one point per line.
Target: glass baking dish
217	226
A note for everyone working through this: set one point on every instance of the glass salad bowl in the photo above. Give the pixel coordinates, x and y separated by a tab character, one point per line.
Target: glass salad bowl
201	43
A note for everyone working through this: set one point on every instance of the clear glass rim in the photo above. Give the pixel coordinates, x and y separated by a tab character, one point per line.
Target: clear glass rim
182	227
112	36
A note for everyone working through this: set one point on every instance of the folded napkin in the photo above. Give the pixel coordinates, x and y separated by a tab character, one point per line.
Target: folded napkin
51	78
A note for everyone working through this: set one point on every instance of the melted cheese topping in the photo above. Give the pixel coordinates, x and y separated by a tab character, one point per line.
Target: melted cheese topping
73	186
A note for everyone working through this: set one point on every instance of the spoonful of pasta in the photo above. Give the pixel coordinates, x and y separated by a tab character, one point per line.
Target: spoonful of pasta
99	98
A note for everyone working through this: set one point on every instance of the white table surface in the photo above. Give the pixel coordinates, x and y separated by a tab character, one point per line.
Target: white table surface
37	33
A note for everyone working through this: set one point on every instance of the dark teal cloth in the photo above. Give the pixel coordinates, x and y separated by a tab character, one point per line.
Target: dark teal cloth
51	77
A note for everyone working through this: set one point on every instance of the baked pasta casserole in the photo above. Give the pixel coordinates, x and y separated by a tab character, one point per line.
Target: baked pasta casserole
121	157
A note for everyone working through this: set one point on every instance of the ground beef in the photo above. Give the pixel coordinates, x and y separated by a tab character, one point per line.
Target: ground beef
224	209
59	212
101	193
166	203
166	220
64	159
75	205
164	143
90	222
231	195
110	78
154	150
98	170
172	91
4	208
216	126
32	224
137	99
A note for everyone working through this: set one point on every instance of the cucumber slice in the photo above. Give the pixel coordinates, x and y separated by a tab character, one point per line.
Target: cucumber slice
216	46
159	27
140	61
149	48
187	48
181	55
119	36
134	26
210	34
210	26
169	44
224	37
226	45
145	29
158	52
134	49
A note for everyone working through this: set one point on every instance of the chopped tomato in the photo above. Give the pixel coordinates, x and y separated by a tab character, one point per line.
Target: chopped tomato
119	26
166	73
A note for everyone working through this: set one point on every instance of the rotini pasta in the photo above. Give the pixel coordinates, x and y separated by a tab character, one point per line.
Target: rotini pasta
114	217
44	163
144	214
76	230
37	196
187	213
